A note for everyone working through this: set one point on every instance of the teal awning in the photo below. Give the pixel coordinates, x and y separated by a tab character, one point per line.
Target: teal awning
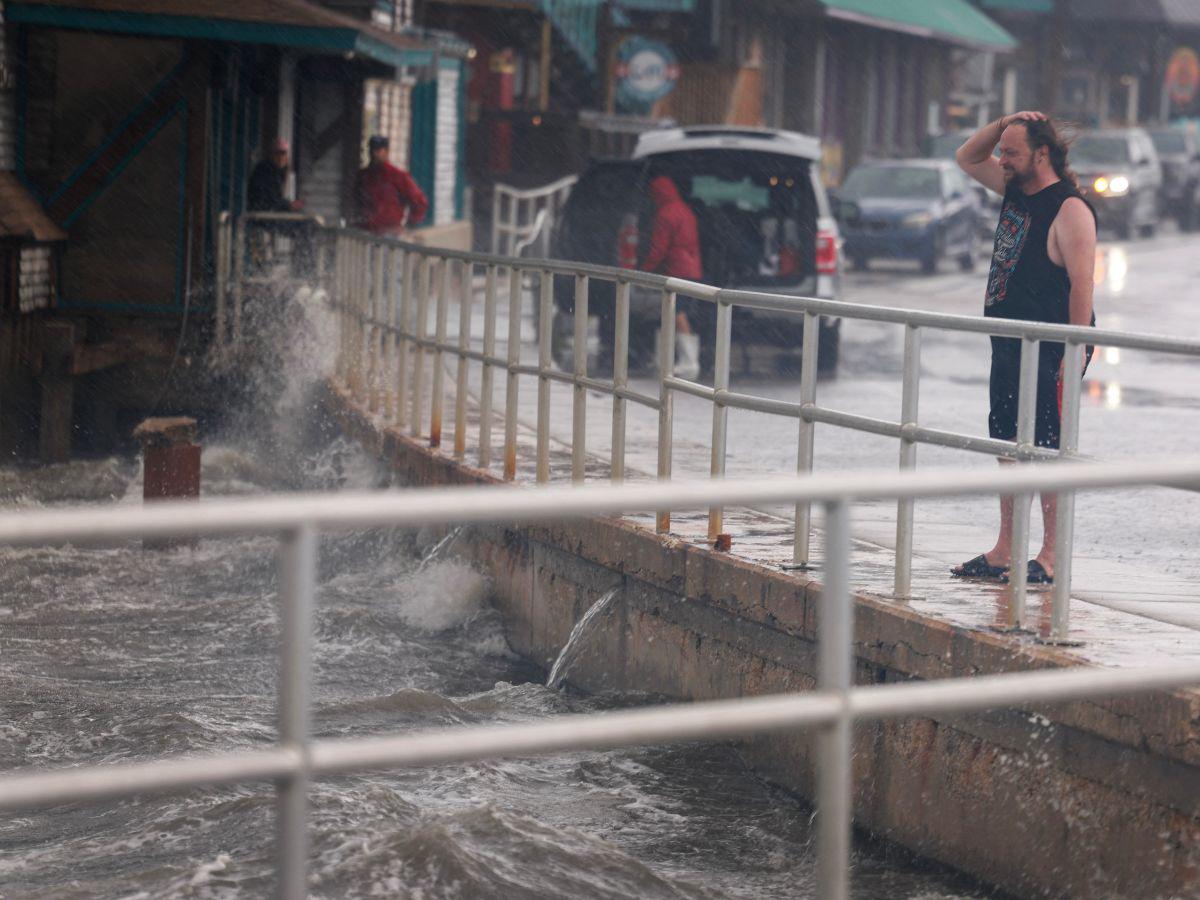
1033	6
956	21
282	23
670	6
576	21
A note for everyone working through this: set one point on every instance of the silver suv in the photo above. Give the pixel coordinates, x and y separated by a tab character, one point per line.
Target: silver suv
764	219
1120	174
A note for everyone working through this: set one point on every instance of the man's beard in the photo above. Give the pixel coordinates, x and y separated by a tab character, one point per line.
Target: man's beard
1020	177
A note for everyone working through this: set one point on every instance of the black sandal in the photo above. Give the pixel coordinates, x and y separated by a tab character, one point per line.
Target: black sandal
1035	573
979	567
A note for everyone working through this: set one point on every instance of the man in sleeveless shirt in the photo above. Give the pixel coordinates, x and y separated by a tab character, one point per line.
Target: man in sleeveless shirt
1042	271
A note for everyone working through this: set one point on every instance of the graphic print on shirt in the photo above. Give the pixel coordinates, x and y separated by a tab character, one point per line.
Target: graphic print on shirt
1010	240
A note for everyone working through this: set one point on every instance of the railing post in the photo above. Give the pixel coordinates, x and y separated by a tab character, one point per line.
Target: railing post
297	577
403	334
620	381
222	287
373	275
239	281
908	459
379	341
810	347
1021	503
514	360
360	289
488	374
579	405
338	295
466	270
362	313
495	245
420	329
1060	627
545	362
835	638
514	219
322	248
439	355
666	399
391	345
720	411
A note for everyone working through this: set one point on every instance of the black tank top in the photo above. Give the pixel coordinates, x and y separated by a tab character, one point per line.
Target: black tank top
1024	283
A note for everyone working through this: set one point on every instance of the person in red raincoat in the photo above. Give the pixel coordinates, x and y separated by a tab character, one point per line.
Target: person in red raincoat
675	252
387	197
674	238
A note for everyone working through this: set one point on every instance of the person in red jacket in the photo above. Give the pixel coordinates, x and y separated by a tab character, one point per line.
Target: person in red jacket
387	197
675	252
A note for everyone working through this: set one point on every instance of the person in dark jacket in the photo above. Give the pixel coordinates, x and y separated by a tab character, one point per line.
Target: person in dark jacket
675	252
386	196
266	193
268	180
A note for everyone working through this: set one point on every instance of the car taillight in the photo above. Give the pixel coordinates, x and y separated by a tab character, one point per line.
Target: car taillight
827	253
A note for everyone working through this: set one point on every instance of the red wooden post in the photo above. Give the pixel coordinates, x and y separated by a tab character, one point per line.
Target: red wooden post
170	463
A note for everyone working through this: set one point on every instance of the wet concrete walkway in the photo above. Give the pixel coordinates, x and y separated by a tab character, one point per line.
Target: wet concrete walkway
1123	615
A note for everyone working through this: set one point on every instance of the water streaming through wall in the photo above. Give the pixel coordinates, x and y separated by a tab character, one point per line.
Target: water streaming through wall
567	654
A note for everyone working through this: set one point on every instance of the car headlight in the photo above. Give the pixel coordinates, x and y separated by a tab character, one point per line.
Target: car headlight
918	220
1111	187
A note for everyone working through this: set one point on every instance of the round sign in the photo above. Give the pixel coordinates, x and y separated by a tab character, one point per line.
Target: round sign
1183	76
646	70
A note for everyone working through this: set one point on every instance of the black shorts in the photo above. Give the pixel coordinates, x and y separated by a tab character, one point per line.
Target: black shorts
1004	388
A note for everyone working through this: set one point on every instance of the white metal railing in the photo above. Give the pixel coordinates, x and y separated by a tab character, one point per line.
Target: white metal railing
296	758
524	216
385	291
265	249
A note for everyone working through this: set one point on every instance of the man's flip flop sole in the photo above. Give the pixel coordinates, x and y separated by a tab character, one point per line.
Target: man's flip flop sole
979	567
1035	573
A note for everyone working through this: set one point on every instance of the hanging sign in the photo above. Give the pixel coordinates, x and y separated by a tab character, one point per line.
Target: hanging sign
1183	76
646	70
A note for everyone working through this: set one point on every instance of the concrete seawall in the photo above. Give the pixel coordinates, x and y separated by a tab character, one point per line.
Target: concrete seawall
1087	800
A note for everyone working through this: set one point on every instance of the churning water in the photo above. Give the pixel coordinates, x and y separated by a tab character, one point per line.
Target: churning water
124	654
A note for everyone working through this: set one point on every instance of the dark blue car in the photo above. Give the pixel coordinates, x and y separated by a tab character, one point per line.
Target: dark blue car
924	210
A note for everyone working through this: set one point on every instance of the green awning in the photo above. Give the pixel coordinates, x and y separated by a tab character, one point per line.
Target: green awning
1033	6
283	23
955	21
576	21
670	6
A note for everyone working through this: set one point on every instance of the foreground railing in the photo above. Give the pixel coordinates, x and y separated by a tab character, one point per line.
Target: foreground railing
386	292
833	709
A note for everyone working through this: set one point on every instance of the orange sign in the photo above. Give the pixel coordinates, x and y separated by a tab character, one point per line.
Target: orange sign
1183	76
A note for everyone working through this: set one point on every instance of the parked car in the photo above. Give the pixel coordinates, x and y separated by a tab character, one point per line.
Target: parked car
1180	157
1121	176
764	219
918	209
944	146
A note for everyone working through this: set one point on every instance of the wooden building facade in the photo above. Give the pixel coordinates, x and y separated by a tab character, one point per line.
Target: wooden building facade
134	125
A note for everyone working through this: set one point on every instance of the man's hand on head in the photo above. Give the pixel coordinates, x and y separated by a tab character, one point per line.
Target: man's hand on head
1025	115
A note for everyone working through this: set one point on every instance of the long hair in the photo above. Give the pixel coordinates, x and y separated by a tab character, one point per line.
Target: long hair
1043	134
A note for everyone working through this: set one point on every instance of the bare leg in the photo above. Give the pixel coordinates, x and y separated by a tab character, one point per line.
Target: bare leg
682	325
1049	532
1001	554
